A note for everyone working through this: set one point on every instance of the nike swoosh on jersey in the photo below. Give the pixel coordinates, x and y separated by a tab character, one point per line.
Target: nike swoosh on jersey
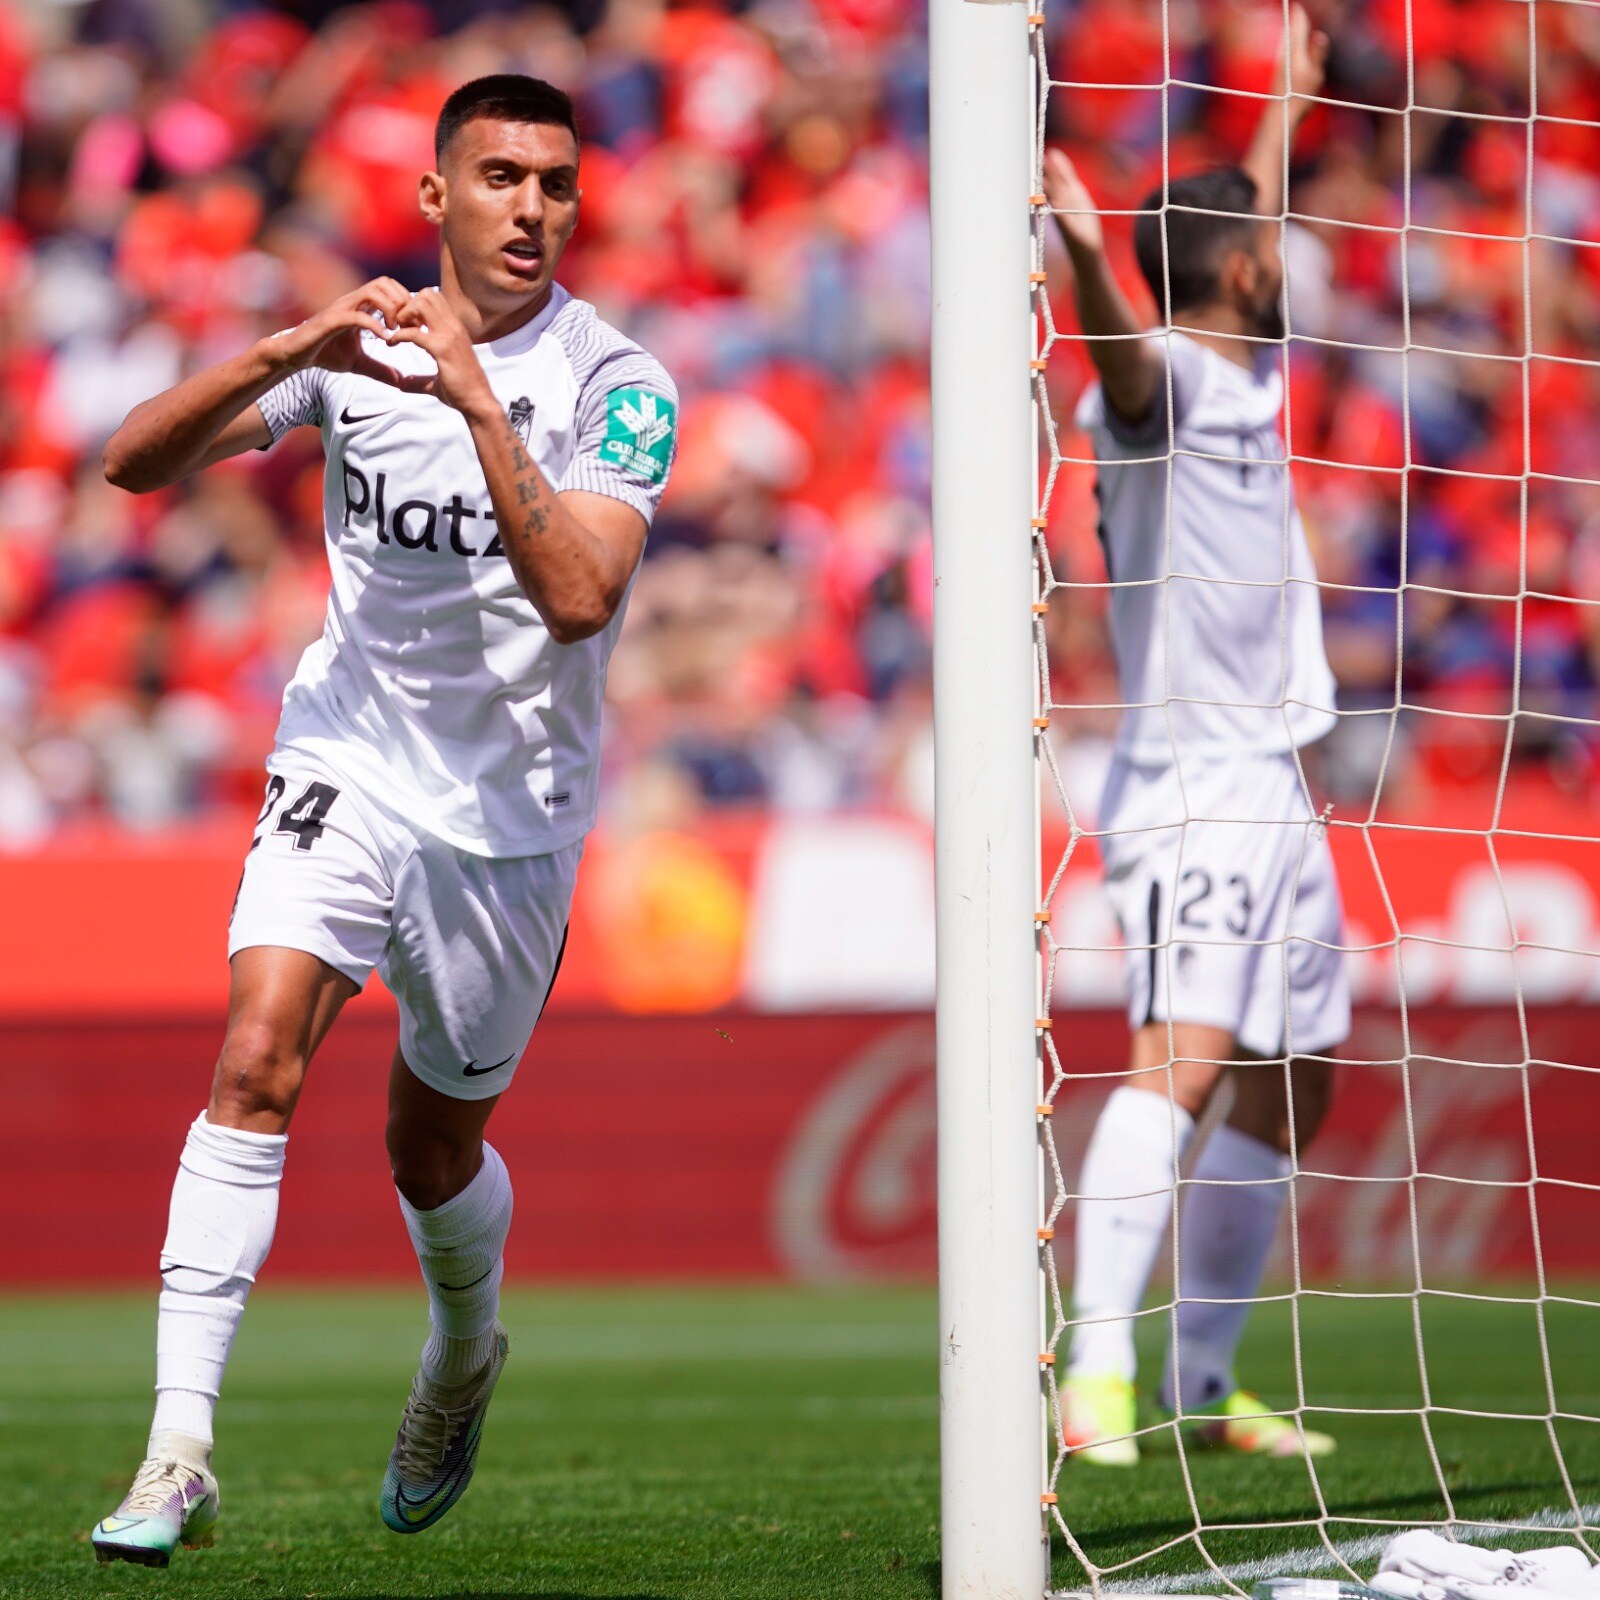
473	1070
348	420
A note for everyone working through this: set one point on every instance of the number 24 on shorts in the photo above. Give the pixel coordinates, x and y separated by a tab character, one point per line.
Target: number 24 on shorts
306	819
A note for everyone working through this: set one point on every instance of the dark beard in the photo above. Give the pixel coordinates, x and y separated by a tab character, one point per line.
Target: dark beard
1270	320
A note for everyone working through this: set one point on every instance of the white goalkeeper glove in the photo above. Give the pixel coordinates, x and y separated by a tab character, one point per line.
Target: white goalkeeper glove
1420	1565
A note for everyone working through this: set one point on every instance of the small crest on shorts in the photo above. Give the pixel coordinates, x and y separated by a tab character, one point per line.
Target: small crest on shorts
1185	957
520	415
562	797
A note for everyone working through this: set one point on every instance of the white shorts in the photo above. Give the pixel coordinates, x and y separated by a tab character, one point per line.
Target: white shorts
1229	905
469	945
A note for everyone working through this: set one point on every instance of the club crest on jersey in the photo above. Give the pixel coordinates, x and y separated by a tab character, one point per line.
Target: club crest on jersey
520	414
639	433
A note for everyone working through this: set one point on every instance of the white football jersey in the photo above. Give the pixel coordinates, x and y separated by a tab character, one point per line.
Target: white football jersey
435	682
1216	620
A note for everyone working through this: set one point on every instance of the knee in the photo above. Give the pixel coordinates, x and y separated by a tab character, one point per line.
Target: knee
1185	1065
1193	1090
1261	1107
1313	1096
430	1167
1192	1084
258	1077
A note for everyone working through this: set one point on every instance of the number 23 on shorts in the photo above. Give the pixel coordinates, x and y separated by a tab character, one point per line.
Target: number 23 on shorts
1195	885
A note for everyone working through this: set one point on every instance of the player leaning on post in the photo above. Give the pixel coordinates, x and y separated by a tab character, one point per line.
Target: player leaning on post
1232	922
495	454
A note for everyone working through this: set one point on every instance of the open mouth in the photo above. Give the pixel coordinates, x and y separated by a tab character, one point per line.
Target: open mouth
523	256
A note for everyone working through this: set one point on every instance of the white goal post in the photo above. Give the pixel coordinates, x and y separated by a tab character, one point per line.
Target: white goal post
992	1459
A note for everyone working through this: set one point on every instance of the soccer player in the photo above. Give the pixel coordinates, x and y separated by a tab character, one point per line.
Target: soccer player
495	454
1219	874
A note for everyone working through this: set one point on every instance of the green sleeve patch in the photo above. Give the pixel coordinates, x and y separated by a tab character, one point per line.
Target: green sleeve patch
640	427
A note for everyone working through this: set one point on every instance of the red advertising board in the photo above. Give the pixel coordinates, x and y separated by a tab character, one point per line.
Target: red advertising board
1471	905
741	1145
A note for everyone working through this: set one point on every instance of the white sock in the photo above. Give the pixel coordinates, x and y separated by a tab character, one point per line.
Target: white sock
219	1229
459	1247
1225	1234
1129	1173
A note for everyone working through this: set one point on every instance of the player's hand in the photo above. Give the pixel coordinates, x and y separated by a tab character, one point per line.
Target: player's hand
1066	192
332	338
426	320
1307	60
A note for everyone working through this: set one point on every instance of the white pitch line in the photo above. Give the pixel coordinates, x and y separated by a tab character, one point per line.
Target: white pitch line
1311	1560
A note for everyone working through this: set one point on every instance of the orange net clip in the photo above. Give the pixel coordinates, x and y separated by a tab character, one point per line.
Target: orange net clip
1047	1499
1045	1111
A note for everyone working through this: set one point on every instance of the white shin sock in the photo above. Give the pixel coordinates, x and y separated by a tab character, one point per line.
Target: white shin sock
1129	1173
1225	1233
219	1229
459	1247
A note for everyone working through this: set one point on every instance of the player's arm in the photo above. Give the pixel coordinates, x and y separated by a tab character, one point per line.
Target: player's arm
572	553
213	414
1307	55
1128	363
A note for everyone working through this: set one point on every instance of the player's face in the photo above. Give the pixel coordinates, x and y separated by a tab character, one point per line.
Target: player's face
1267	296
506	204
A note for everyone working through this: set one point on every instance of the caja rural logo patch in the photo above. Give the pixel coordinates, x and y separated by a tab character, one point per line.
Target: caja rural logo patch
639	430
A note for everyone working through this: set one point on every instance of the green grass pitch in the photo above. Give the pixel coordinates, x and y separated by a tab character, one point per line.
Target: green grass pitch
759	1444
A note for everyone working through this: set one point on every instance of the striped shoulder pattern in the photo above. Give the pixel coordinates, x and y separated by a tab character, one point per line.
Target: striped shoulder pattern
298	399
610	368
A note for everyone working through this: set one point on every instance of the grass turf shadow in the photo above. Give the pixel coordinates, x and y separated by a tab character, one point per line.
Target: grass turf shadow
1170	1528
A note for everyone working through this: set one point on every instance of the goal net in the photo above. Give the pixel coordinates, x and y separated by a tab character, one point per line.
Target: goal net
1429	1304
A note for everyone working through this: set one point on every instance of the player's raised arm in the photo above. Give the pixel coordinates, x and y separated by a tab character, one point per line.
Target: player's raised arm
575	569
1129	367
213	414
1297	81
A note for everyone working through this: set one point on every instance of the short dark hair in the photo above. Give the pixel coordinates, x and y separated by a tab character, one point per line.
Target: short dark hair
1205	216
507	97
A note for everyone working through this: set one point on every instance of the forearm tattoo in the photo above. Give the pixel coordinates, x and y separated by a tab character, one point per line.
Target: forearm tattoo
530	488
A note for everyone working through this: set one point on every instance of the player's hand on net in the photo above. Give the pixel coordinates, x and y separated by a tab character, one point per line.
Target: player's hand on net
1074	208
426	320
332	338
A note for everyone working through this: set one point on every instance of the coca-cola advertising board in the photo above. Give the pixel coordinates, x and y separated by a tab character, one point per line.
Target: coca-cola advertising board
802	1147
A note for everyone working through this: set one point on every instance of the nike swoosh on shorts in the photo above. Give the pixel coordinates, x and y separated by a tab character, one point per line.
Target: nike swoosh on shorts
473	1070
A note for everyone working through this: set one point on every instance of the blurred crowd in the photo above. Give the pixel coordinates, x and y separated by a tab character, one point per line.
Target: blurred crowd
183	175
180	176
